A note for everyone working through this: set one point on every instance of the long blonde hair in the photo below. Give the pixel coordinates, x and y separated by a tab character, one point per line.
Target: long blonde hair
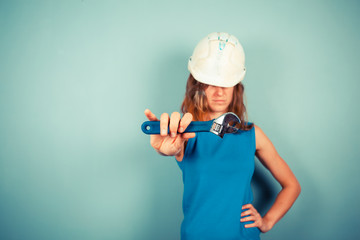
195	102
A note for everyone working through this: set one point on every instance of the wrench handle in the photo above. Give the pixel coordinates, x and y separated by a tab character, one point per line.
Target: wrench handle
153	127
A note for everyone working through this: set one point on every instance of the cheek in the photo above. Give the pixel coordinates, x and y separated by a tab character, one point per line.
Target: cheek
207	92
230	95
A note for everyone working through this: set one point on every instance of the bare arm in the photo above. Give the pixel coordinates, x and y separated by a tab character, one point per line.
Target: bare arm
268	156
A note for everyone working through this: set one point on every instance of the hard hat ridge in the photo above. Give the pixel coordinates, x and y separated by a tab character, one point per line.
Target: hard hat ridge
218	60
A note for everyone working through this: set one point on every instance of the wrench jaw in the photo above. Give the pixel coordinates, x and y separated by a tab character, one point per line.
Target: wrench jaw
226	123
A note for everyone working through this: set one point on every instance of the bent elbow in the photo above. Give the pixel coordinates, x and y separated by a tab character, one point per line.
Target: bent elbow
297	188
294	187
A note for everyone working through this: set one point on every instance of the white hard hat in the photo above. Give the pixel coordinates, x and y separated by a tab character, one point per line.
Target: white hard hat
218	60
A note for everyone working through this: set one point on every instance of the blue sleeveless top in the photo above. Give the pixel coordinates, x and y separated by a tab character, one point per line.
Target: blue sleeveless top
216	175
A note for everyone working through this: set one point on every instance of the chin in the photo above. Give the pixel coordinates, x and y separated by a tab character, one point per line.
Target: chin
224	110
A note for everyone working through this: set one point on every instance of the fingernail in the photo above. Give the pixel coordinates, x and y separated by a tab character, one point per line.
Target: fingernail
173	134
181	129
163	131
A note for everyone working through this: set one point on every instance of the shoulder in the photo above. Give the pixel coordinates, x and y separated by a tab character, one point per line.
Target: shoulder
260	137
257	129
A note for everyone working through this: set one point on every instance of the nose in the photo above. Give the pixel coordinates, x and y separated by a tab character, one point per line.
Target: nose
219	91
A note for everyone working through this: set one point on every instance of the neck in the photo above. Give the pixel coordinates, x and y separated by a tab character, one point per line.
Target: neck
213	115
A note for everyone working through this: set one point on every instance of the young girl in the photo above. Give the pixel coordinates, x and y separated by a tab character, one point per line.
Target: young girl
217	200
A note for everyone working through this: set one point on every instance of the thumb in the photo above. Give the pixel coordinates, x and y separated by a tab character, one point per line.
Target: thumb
181	138
186	136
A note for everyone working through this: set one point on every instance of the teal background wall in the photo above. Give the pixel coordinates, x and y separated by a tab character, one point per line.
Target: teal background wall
76	76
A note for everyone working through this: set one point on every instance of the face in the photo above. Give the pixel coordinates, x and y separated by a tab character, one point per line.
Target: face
219	99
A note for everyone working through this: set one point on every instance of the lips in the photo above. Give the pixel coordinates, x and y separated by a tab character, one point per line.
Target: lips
219	101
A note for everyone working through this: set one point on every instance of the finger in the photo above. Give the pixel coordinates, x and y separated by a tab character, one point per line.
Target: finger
245	213
150	115
185	121
174	123
247	219
253	209
164	122
247	206
250	225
